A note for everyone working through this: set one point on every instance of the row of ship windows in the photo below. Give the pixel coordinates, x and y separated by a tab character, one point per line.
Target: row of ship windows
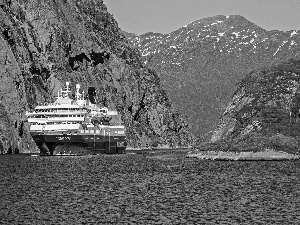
53	123
60	110
54	116
107	132
90	132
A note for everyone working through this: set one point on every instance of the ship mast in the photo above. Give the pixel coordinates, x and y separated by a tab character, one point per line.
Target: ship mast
65	94
77	92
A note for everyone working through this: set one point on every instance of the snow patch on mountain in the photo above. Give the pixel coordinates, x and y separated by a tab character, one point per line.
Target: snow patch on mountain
237	34
280	47
293	33
293	42
145	54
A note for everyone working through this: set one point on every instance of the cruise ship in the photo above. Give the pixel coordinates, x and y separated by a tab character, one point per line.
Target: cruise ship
76	126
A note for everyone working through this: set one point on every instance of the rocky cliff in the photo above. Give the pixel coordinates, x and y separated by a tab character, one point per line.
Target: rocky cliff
43	44
263	113
201	63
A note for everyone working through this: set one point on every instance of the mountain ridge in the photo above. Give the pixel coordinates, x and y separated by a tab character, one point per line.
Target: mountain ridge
203	61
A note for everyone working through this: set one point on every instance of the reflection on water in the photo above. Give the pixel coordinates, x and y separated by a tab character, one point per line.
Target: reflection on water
147	189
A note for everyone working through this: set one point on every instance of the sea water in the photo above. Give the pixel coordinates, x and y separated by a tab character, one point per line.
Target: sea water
147	189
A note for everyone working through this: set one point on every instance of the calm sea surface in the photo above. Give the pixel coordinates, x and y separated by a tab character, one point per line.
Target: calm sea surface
147	189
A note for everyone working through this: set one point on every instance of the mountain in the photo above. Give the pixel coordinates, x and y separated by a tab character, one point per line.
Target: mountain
43	44
201	63
263	113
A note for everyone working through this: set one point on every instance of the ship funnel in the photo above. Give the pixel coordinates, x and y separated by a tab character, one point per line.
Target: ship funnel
92	94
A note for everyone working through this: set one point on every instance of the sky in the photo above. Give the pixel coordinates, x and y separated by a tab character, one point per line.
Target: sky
165	16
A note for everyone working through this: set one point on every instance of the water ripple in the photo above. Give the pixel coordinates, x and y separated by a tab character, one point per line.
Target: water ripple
147	189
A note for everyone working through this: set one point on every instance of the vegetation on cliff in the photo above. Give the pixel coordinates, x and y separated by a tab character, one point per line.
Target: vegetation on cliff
43	44
263	114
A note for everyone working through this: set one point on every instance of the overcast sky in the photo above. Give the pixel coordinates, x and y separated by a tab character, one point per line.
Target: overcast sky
165	16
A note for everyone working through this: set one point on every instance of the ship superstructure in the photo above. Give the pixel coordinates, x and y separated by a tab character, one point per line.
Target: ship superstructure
69	124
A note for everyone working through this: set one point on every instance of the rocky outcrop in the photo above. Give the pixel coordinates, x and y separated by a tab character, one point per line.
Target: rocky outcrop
43	44
200	63
263	114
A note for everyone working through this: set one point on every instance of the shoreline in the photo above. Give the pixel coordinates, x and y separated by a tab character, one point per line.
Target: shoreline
127	151
268	155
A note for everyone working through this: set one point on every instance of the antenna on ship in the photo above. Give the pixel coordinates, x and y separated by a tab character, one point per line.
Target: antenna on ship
65	93
59	94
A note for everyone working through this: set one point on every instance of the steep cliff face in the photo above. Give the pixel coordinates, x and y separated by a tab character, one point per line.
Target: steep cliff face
201	63
263	113
43	44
